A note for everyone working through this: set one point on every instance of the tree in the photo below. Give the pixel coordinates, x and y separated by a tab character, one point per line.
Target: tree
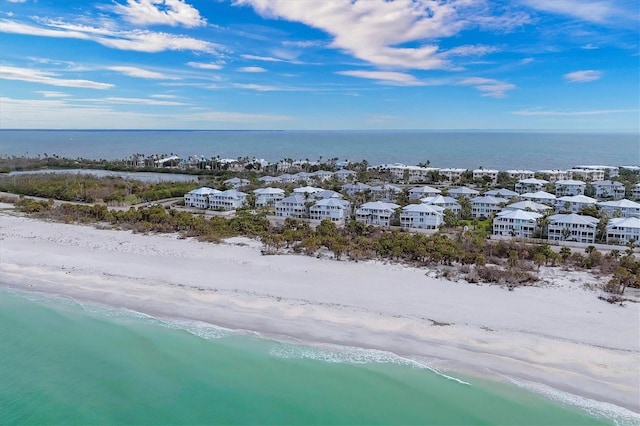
565	252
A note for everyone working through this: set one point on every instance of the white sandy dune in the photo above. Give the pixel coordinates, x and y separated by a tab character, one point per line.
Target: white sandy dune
558	335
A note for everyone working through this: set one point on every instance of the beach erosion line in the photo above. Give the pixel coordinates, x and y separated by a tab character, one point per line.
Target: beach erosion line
560	336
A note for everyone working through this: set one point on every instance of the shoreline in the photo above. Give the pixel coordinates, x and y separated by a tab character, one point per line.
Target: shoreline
560	335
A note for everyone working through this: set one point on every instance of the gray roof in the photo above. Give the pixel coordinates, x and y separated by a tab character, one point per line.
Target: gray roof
573	218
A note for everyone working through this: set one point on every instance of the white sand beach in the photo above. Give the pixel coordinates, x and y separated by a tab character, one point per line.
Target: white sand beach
558	334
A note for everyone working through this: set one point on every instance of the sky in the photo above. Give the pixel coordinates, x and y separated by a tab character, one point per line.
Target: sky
320	64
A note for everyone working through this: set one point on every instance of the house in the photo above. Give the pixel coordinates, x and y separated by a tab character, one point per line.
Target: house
267	197
410	174
554	175
322	175
292	206
621	208
530	185
485	206
376	213
516	223
422	192
463	191
353	188
609	171
344	175
452	174
307	190
608	189
421	216
230	199
529	206
503	193
333	209
572	227
287	178
386	192
621	230
520	174
446	203
236	182
270	179
635	191
199	197
574	203
326	193
569	187
590	174
539	197
486	174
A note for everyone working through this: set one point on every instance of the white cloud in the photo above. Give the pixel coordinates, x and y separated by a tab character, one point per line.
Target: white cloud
140	101
540	112
204	66
386	77
262	58
16	1
164	12
596	11
251	69
256	87
161	96
583	76
54	114
304	43
470	50
50	94
141	73
136	40
488	86
379	31
44	77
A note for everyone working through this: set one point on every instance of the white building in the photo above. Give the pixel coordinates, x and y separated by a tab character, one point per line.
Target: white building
622	208
623	229
452	174
554	175
530	206
446	203
376	213
333	209
486	206
516	223
609	171
540	197
422	192
270	179
530	185
307	190
421	216
288	178
608	189
327	193
230	199
572	227
199	197
520	174
353	188
491	174
502	193
268	197
570	187
344	174
292	206
410	174
236	182
635	191
322	175
589	174
386	192
463	191
574	203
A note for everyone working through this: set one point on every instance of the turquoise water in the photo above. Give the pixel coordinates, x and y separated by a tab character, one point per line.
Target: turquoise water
501	150
62	363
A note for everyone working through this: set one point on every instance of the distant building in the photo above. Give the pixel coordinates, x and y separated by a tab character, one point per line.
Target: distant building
421	216
199	197
227	200
334	209
344	174
635	191
490	174
572	227
574	203
236	182
529	206
502	193
520	174
446	203
463	191
588	174
452	174
622	230
268	197
422	192
569	187
608	189
353	188
539	197
376	213
622	208
516	223
554	175
486	206
292	206
386	192
530	185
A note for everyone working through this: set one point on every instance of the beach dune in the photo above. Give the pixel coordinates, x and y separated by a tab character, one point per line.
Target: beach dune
559	334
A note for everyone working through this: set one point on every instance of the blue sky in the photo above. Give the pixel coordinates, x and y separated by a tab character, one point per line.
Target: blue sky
320	64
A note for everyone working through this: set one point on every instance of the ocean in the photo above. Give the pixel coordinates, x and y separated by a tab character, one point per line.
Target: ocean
500	150
63	362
